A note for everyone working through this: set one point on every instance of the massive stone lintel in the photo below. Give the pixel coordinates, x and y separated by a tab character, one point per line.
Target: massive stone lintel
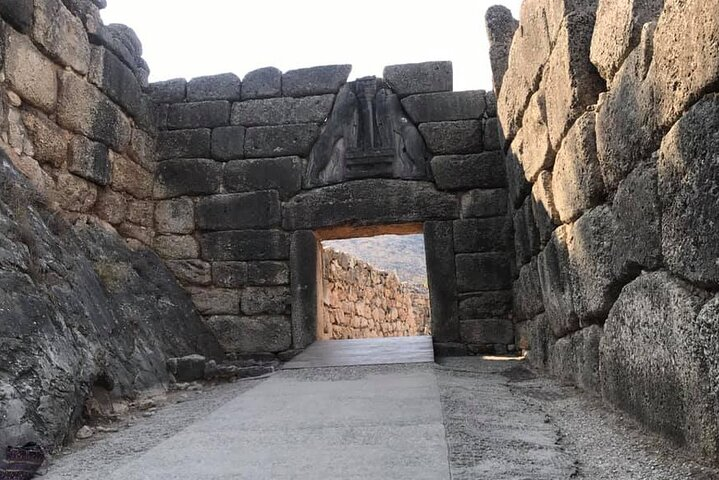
367	135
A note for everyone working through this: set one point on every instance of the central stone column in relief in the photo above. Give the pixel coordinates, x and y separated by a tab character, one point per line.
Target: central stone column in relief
367	136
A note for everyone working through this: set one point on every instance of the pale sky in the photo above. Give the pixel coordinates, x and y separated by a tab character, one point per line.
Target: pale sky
191	38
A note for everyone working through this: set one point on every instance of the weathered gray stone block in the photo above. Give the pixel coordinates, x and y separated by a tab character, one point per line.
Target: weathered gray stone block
89	160
245	245
187	369
527	300
83	109
482	235
283	174
414	78
191	272
215	301
493	136
175	216
314	81
265	300
199	115
464	172
368	202
658	359
484	203
526	234
517	184
280	141
556	282
539	339
577	183
143	148
18	13
487	330
268	273
462	136
29	73
442	280
49	141
281	111
252	334
688	175
61	34
305	265
262	83
187	176
225	86
176	247
118	82
544	211
501	26
184	143
531	146
169	91
445	106
238	211
574	359
229	274
478	272
485	305
228	143
617	32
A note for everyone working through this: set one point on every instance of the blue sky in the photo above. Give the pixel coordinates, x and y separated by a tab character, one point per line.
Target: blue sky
187	38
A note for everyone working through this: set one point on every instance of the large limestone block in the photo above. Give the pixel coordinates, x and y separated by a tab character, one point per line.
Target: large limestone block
626	124
461	136
191	272
283	174
577	183
29	72
659	359
368	202
176	247
484	203
527	300
556	283
688	176
262	83
252	334
487	330
89	160
175	216
464	172
537	333
281	140
18	13
62	35
215	301
193	143
83	109
281	111
482	235
315	80
617	32
228	143
117	81
265	300
225	86
169	91
128	176
685	63
531	145
501	27
442	279
571	82
187	176
526	233
485	305
214	113
238	211
415	78
50	142
477	272
517	185
575	358
445	106
544	210
245	245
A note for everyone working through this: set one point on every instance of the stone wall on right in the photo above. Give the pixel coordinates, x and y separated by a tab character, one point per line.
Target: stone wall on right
610	111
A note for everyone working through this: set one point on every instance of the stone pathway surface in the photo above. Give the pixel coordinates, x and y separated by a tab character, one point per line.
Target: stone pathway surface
464	418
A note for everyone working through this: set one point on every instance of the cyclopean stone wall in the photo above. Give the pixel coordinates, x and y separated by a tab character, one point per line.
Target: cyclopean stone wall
253	173
360	301
611	115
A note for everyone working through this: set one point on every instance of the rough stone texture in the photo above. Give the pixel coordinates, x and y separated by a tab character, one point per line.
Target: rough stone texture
445	106
262	83
555	280
18	13
531	146
415	78
484	203
187	176
169	91
487	330
283	174
111	206
29	72
252	334
305	265
315	80
658	359
198	115
175	216
228	143
461	136
527	300
245	245
280	111
526	234
577	182
127	176
463	172
225	86
215	301
280	141
75	194
176	247
62	34
571	82
50	142
265	300
117	81
192	272
239	211
109	316
617	31
83	109
688	176
575	359
268	273
229	274
442	280
485	305
544	209
483	271
482	235
367	202
89	160
501	27
194	143
493	136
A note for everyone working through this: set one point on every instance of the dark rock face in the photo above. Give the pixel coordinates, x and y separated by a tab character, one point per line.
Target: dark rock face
78	308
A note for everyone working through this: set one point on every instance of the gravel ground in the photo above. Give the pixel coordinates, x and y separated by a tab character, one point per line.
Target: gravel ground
502	422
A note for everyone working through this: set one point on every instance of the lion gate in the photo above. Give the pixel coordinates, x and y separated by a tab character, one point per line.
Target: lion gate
254	173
